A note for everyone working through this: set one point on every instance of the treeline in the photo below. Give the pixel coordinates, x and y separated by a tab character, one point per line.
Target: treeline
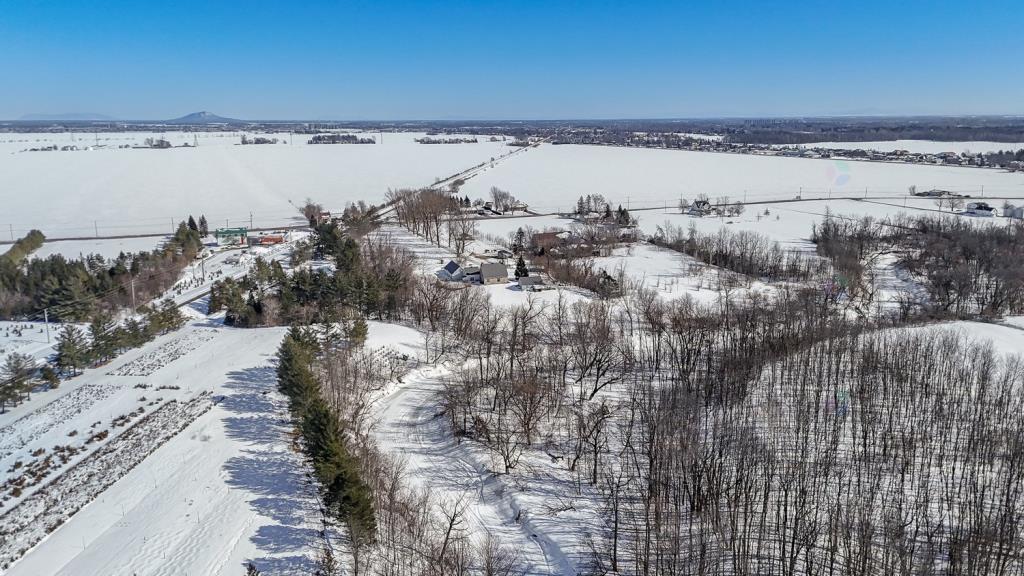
839	133
744	252
966	267
72	290
23	247
373	276
766	436
345	495
328	376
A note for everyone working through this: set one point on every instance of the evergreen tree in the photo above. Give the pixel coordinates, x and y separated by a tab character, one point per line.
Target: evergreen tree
15	378
519	241
356	331
49	375
521	269
204	226
326	565
250	570
192	224
103	337
72	350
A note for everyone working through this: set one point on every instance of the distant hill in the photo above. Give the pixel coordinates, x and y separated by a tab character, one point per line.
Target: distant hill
66	117
204	118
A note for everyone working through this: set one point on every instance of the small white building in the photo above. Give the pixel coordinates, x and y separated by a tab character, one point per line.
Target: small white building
979	209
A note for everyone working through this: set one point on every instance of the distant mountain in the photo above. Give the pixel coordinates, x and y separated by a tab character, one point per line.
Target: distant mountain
204	118
66	117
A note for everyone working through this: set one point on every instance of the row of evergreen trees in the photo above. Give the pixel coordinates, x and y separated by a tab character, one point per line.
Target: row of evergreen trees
345	495
104	339
23	247
72	290
79	348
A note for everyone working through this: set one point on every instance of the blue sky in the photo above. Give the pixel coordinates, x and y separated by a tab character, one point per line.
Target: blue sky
509	60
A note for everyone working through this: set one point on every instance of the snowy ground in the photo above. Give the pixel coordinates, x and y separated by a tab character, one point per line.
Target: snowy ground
535	511
108	248
27	338
226	490
550	178
669	273
135	191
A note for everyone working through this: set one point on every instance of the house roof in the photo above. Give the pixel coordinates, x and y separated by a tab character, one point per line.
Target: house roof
452	267
492	270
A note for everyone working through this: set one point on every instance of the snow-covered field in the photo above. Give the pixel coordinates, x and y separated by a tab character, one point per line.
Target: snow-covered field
227	489
108	248
550	178
138	191
922	146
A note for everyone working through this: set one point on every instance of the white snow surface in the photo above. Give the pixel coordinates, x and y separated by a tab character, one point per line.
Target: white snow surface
108	248
142	190
550	178
527	511
226	490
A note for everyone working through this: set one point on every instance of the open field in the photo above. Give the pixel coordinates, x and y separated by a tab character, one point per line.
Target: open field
550	178
226	489
134	191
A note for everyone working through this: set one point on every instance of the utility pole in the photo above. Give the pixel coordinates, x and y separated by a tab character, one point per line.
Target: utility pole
250	220
12	231
46	322
96	228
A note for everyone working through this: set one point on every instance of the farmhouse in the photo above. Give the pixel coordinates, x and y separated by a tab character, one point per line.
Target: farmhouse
491	273
700	208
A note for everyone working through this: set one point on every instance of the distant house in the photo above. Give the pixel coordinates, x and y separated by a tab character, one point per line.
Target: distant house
1014	212
518	205
979	209
933	193
491	273
453	271
545	241
700	208
530	281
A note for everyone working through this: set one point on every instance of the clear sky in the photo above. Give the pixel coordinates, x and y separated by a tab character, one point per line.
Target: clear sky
509	60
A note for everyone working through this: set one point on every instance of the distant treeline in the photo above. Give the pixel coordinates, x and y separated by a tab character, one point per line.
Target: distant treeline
24	247
771	135
340	139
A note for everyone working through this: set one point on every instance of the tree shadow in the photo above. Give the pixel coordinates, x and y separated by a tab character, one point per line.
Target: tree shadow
270	471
